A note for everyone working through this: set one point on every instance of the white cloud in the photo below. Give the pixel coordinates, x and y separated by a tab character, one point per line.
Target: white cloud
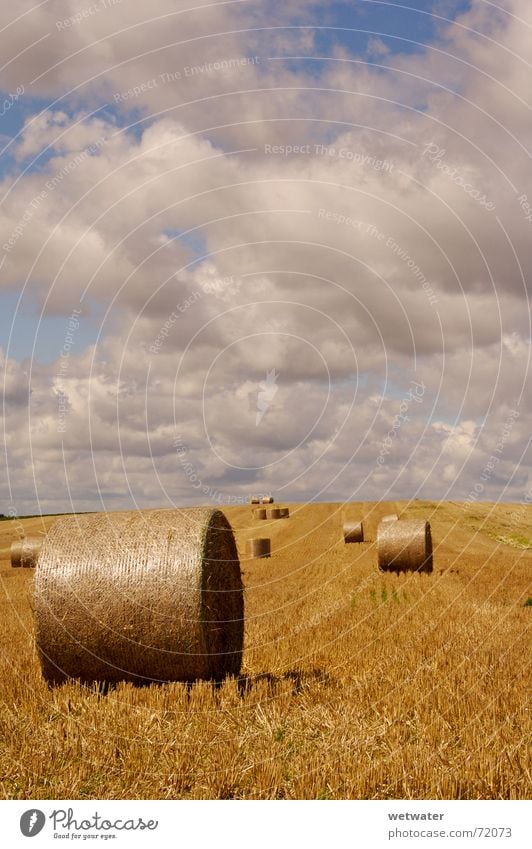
371	256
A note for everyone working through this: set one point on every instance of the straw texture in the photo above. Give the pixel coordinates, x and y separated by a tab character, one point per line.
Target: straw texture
353	532
260	513
391	517
275	513
404	546
148	596
285	512
25	552
259	547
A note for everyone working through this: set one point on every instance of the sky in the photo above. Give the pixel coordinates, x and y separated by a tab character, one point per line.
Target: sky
253	247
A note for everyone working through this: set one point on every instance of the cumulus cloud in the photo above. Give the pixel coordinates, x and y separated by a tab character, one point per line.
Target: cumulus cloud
358	223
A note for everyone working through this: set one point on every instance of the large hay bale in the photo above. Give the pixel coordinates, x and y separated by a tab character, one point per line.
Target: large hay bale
149	596
353	532
275	513
285	512
259	547
25	552
260	513
254	499
404	546
267	499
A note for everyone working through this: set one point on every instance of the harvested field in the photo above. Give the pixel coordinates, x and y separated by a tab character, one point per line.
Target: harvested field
355	684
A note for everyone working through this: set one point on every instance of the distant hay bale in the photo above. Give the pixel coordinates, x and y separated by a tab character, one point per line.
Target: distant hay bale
267	499
353	532
275	513
260	513
285	512
391	517
143	596
259	547
25	552
405	546
254	499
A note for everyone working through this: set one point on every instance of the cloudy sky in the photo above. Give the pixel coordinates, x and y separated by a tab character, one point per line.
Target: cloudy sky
264	246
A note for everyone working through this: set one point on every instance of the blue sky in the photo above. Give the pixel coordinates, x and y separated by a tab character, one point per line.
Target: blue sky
26	330
399	25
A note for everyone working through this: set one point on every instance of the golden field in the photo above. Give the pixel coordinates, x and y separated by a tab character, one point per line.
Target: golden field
355	684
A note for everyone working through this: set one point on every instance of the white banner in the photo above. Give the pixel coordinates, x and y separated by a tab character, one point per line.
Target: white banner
275	825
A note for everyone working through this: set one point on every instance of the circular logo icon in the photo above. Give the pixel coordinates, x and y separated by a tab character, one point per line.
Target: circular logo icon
32	822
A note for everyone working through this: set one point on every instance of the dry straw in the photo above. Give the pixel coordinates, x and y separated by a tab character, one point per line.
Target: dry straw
254	499
285	512
260	513
267	499
25	552
259	547
148	596
353	532
391	517
275	513
404	546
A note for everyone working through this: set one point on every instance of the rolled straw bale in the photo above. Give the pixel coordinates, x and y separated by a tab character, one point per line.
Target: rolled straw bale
275	513
285	512
260	513
391	517
254	499
404	546
259	547
25	552
353	532
267	499
147	596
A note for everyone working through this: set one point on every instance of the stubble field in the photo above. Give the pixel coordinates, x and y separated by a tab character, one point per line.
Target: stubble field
355	684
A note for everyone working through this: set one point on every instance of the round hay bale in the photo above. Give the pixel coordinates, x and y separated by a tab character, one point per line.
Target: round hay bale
25	552
267	499
148	596
275	513
259	547
260	513
285	512
254	499
353	532
405	546
391	517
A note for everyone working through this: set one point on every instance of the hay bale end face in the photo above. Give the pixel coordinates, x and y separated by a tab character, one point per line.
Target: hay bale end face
275	513
259	547
260	513
151	596
285	512
25	552
353	532
405	546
